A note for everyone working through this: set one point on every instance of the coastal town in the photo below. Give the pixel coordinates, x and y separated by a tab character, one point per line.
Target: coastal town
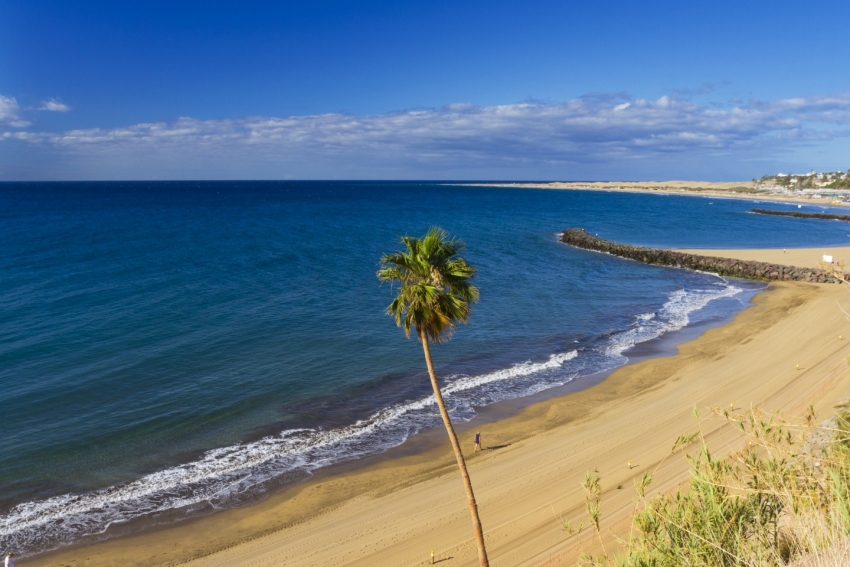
830	184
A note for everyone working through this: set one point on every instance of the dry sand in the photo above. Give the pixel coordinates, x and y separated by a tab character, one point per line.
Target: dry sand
724	190
394	513
800	257
741	186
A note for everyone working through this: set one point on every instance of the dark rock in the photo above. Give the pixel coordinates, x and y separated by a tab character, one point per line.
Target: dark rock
724	266
799	215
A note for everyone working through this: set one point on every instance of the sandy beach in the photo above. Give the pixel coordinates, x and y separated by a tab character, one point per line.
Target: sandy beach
724	190
528	478
801	257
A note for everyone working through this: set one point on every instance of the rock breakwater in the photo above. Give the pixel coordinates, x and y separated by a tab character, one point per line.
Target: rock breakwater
822	216
763	271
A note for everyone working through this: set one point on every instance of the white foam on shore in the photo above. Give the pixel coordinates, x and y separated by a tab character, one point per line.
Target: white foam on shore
223	475
222	472
673	315
523	369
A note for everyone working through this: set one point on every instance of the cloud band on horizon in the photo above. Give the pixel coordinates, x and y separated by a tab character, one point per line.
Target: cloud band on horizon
600	128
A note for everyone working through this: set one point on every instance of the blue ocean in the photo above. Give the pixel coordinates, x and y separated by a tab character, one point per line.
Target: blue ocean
172	348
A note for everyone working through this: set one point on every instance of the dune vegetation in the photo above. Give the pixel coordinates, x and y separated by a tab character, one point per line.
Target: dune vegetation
783	499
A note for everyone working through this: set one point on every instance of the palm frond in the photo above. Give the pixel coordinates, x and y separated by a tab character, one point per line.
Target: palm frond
434	292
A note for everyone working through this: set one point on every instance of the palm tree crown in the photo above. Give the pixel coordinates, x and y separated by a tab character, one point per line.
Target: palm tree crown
434	290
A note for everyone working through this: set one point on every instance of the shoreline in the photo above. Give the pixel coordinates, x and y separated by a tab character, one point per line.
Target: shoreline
799	257
335	507
712	189
423	441
722	266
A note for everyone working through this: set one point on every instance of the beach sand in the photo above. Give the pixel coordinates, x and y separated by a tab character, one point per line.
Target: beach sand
723	190
800	257
528	478
676	185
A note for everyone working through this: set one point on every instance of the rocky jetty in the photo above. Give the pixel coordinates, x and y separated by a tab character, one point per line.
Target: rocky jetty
822	216
723	266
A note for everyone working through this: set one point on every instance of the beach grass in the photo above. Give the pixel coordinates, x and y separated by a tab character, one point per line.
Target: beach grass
781	499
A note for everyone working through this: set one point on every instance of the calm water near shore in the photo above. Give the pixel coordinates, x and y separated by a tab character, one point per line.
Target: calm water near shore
173	347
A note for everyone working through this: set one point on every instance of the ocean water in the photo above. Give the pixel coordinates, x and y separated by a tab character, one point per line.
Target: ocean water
168	349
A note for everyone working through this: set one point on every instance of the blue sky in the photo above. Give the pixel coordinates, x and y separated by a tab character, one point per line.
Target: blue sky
427	90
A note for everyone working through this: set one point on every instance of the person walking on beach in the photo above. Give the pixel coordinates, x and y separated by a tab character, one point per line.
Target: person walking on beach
477	441
9	561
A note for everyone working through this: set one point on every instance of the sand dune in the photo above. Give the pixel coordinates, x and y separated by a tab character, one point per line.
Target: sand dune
723	190
651	185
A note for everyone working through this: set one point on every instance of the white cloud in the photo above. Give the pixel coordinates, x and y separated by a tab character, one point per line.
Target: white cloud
600	128
54	105
10	113
8	107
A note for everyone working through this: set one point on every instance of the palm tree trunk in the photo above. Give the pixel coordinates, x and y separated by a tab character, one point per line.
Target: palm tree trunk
461	463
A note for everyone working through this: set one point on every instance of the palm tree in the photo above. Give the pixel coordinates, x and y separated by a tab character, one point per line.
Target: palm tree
434	294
